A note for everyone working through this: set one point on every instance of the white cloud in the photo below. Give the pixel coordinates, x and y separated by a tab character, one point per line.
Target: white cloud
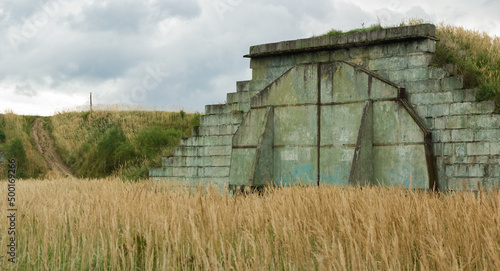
106	47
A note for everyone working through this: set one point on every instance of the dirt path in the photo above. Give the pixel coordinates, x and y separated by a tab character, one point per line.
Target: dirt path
45	146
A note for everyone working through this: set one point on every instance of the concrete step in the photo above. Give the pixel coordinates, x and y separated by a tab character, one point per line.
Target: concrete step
192	171
207	141
214	130
216	109
242	86
238	97
235	117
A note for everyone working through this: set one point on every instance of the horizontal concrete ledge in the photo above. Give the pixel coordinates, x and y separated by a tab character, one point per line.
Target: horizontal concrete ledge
395	34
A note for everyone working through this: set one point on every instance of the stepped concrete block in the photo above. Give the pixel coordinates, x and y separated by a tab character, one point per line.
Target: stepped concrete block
194	141
412	74
495	148
456	122
478	148
217	161
419	86
438	110
167	161
194	161
238	97
185	151
431	98
185	171
438	73
222	119
457	170
438	149
464	95
242	86
487	107
440	123
216	109
478	159
462	135
208	172
216	151
452	83
484	121
179	161
217	140
161	172
469	184
400	63
218	130
491	183
467	108
476	170
494	171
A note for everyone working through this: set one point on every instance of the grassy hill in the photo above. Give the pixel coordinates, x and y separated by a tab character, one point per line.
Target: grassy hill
104	143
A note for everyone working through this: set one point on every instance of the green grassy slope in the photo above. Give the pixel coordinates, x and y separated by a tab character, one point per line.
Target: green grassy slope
101	144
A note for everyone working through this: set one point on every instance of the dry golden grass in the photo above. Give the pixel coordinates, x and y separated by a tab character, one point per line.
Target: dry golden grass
71	224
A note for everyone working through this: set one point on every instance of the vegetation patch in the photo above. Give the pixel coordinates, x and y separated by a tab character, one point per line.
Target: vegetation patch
115	142
475	56
336	32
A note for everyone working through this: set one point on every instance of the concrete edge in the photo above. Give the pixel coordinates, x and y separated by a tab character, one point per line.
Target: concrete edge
423	31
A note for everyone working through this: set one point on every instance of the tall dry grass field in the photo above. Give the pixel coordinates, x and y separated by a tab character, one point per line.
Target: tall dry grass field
71	224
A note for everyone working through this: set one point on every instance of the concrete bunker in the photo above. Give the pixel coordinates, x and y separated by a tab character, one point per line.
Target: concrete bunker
363	108
331	123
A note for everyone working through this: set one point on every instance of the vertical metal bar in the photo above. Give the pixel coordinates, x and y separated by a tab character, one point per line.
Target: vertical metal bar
318	119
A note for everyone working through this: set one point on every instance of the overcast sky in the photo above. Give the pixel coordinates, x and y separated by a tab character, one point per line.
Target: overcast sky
173	54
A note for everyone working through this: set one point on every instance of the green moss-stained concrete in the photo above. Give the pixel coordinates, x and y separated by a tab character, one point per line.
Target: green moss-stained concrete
361	108
332	123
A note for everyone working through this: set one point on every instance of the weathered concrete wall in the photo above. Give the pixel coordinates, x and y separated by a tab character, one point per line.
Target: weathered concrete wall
463	134
331	123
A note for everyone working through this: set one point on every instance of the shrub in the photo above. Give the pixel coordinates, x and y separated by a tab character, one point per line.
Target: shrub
195	122
15	150
151	141
2	136
113	150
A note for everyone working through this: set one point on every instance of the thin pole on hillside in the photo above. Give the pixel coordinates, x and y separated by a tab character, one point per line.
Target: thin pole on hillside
90	104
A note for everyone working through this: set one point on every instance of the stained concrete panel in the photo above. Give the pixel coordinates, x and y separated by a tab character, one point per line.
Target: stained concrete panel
295	165
251	128
393	124
340	123
349	85
295	125
382	90
297	86
335	165
401	165
240	174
